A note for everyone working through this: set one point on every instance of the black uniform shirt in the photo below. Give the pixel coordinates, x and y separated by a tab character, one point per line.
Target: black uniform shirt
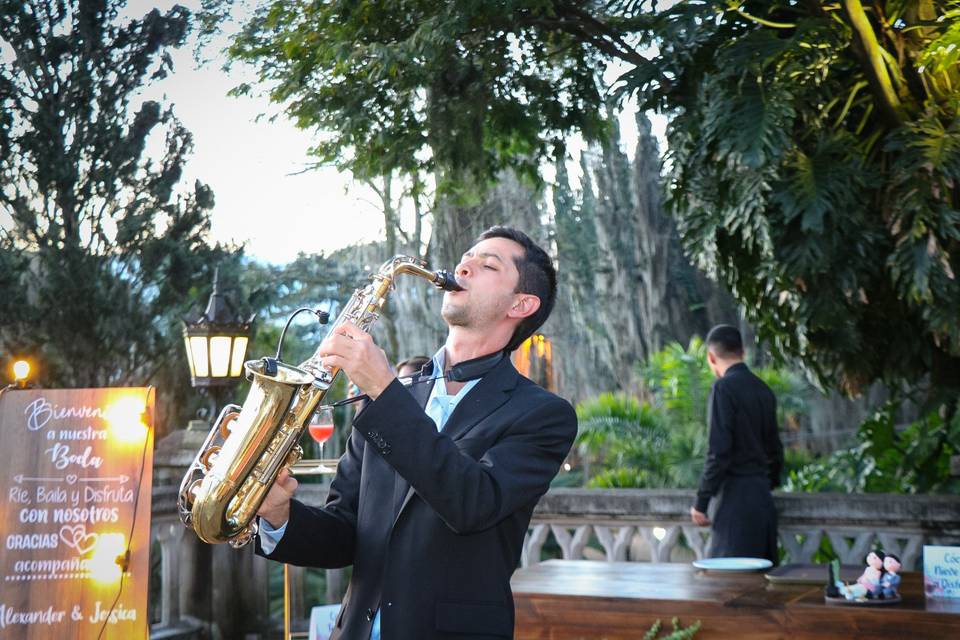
743	432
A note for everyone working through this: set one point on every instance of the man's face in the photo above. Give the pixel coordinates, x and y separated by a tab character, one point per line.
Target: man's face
891	565
488	273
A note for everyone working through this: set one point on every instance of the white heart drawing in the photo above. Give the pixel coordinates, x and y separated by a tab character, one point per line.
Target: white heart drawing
77	538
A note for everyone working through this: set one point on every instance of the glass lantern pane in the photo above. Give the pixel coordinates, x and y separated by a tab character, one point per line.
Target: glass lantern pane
220	356
239	352
186	342
198	347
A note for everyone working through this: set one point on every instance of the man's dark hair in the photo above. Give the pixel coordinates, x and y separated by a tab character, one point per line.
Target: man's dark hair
414	362
537	277
725	341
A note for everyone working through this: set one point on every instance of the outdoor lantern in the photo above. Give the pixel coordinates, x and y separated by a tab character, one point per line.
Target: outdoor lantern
216	341
534	359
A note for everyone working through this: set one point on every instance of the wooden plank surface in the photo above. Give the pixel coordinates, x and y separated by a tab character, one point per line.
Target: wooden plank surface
573	600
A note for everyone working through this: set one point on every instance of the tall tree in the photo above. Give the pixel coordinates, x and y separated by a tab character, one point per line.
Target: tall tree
101	248
813	145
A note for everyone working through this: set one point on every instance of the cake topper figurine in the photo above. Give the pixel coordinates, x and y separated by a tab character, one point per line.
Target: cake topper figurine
877	584
891	577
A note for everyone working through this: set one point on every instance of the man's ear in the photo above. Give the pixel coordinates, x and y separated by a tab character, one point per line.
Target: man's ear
712	359
524	305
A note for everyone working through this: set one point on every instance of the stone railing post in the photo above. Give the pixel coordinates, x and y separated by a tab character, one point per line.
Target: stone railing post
169	535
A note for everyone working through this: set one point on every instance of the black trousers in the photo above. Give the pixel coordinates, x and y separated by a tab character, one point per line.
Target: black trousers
745	520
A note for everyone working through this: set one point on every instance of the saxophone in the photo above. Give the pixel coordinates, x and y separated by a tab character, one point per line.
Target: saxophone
248	446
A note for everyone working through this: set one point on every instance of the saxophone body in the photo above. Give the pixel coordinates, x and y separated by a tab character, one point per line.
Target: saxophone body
248	446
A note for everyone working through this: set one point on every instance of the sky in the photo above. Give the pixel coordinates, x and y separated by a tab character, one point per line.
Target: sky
264	198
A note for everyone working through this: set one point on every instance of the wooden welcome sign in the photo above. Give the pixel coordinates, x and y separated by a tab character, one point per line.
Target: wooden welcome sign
75	476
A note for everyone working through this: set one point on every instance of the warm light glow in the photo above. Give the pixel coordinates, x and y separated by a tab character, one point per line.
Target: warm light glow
21	369
219	356
534	359
566	466
198	347
105	563
659	533
125	418
239	352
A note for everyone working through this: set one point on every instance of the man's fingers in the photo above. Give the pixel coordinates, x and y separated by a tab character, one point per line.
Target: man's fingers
339	345
286	481
352	331
332	361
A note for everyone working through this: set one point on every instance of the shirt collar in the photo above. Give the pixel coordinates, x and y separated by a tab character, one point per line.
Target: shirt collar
440	384
739	366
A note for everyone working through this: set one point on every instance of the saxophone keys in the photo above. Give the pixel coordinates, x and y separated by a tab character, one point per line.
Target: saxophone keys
192	492
295	456
209	457
226	422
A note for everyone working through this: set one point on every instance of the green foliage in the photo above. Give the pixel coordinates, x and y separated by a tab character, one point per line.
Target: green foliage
628	441
422	85
915	459
678	632
680	381
662	443
817	182
101	247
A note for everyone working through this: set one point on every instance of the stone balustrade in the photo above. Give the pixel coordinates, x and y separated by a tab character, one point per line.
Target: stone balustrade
654	525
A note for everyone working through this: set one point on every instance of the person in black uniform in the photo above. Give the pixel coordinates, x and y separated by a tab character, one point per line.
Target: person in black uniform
745	455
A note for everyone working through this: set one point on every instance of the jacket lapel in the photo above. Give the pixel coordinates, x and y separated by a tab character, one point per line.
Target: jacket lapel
485	398
421	392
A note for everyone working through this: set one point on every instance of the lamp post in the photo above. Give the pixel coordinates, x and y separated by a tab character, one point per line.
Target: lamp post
216	342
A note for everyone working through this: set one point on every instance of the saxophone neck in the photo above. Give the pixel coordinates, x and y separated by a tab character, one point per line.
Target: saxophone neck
442	279
366	303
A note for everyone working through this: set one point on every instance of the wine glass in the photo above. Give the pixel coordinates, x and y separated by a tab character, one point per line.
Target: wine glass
321	428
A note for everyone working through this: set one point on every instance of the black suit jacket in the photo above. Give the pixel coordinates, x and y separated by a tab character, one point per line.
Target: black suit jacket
744	439
433	523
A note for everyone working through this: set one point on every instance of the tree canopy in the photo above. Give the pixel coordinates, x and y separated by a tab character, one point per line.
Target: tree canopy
450	87
815	152
813	147
101	247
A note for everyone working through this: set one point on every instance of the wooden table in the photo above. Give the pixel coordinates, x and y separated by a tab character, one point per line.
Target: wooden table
580	599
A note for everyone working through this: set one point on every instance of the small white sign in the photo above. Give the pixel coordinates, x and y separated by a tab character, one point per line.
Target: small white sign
941	572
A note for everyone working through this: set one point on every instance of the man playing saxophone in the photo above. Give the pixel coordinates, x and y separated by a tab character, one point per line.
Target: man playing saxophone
435	491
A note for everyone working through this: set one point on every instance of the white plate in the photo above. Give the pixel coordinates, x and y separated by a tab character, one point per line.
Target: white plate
733	564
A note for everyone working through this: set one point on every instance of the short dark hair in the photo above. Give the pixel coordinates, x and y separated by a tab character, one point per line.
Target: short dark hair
880	554
725	341
414	362
537	277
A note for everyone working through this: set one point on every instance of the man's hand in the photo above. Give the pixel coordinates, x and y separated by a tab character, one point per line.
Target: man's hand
699	518
354	351
276	506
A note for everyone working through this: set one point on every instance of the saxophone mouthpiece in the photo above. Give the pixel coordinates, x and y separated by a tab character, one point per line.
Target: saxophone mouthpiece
446	281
